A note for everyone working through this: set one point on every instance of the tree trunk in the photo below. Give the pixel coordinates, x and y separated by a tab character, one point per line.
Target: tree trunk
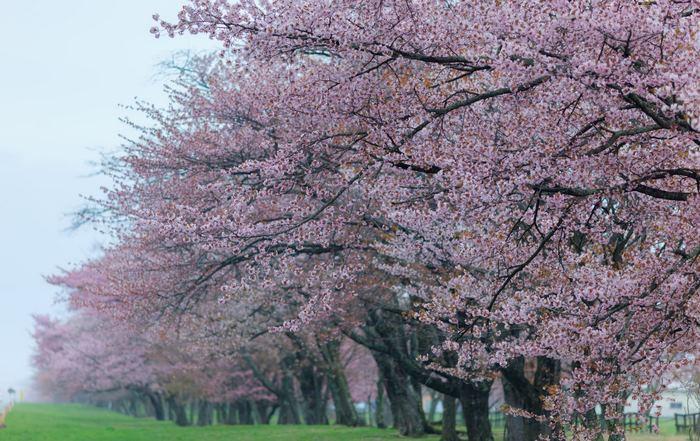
407	412
192	410
515	425
131	407
179	412
311	385
288	413
402	397
221	413
345	412
433	406
547	376
156	401
418	388
475	408
592	422
449	419
520	393
204	416
288	406
379	411
245	412
231	414
615	426
263	412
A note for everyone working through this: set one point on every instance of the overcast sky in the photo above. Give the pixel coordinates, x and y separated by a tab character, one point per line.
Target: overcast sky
65	68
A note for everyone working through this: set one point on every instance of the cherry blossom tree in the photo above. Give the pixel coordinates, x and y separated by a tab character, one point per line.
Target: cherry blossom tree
540	159
464	188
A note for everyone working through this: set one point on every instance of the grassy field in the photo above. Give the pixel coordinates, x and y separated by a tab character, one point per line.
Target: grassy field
50	422
47	422
667	432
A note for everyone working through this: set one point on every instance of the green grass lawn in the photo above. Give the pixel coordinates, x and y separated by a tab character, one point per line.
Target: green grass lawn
52	422
667	432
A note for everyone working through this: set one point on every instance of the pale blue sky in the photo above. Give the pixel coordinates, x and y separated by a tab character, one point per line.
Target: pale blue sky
65	67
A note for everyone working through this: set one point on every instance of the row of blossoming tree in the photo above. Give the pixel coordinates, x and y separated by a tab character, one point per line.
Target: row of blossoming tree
472	191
